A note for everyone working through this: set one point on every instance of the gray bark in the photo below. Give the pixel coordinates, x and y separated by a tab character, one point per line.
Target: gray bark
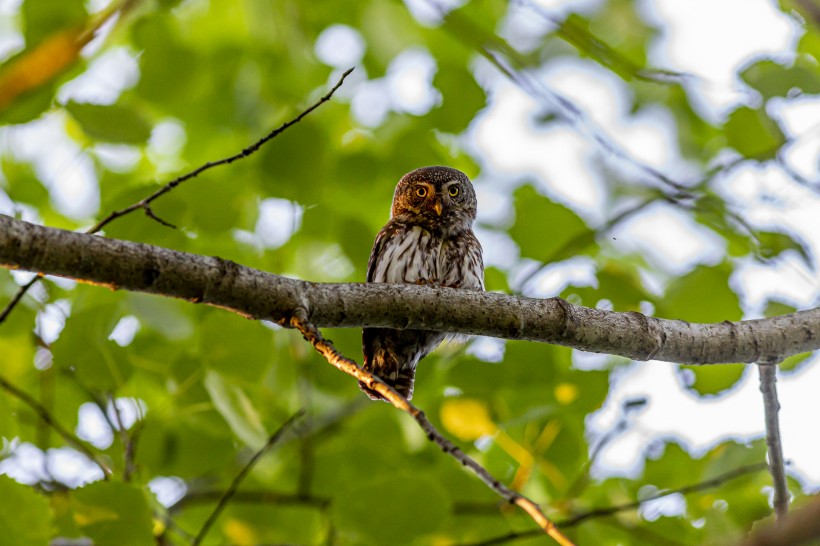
265	296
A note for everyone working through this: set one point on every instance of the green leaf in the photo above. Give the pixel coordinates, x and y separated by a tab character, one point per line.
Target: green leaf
773	243
44	17
753	133
775	80
114	513
237	409
392	510
84	348
776	308
703	295
114	123
710	380
545	230
26	519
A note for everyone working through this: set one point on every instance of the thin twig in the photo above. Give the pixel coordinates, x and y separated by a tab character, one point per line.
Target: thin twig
145	203
612	510
211	164
252	497
125	439
17	297
43	413
777	467
231	491
326	349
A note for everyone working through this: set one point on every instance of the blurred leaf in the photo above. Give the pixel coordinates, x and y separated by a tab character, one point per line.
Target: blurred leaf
45	17
776	308
547	231
27	519
709	380
237	409
467	419
753	133
775	80
793	362
392	510
703	295
114	513
772	244
84	347
114	123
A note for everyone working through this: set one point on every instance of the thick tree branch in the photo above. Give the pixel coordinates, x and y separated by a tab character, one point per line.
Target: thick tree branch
777	467
801	527
260	295
326	349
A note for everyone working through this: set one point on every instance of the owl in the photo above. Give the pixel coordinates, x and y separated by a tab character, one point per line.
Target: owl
428	240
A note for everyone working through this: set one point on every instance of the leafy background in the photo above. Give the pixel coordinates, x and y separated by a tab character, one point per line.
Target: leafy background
176	397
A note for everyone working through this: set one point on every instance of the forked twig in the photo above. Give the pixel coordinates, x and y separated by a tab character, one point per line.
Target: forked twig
145	203
311	334
229	493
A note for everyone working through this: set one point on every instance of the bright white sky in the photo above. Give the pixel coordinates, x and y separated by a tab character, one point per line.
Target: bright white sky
706	38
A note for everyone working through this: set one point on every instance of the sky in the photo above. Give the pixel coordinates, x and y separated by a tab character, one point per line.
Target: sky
705	38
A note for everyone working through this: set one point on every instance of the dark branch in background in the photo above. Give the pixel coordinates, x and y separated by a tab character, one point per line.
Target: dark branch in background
49	419
231	491
251	497
145	203
612	510
128	442
265	296
777	467
311	334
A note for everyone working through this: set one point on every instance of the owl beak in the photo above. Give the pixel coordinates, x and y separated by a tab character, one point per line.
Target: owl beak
437	207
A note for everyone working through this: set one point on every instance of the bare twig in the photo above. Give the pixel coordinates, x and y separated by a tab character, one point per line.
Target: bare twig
43	413
254	497
327	350
126	440
211	164
231	491
17	297
612	510
777	468
145	203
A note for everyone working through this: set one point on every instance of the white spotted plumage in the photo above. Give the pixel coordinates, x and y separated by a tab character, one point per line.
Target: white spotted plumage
428	240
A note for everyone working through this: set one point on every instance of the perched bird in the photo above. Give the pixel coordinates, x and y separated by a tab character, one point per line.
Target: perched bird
428	240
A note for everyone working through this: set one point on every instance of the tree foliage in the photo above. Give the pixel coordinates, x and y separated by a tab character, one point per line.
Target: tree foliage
183	395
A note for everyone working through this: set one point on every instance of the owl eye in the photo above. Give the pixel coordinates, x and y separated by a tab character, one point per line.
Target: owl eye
421	191
453	191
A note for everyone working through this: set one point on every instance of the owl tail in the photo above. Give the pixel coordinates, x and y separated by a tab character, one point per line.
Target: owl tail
401	380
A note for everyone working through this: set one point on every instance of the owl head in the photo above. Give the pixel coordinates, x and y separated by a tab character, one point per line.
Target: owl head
435	197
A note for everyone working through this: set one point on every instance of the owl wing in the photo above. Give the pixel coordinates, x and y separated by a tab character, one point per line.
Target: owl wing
377	254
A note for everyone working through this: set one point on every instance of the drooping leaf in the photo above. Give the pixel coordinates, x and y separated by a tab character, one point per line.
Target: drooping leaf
112	123
114	513
545	230
27	520
753	133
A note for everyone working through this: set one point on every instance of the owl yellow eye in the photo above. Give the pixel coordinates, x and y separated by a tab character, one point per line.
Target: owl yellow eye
421	191
453	191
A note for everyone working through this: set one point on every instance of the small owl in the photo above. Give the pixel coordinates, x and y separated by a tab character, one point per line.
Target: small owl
428	240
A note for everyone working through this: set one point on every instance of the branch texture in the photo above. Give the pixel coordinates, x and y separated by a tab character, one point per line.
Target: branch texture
260	295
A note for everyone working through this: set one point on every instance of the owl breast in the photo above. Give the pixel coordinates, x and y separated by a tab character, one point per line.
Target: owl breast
412	254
